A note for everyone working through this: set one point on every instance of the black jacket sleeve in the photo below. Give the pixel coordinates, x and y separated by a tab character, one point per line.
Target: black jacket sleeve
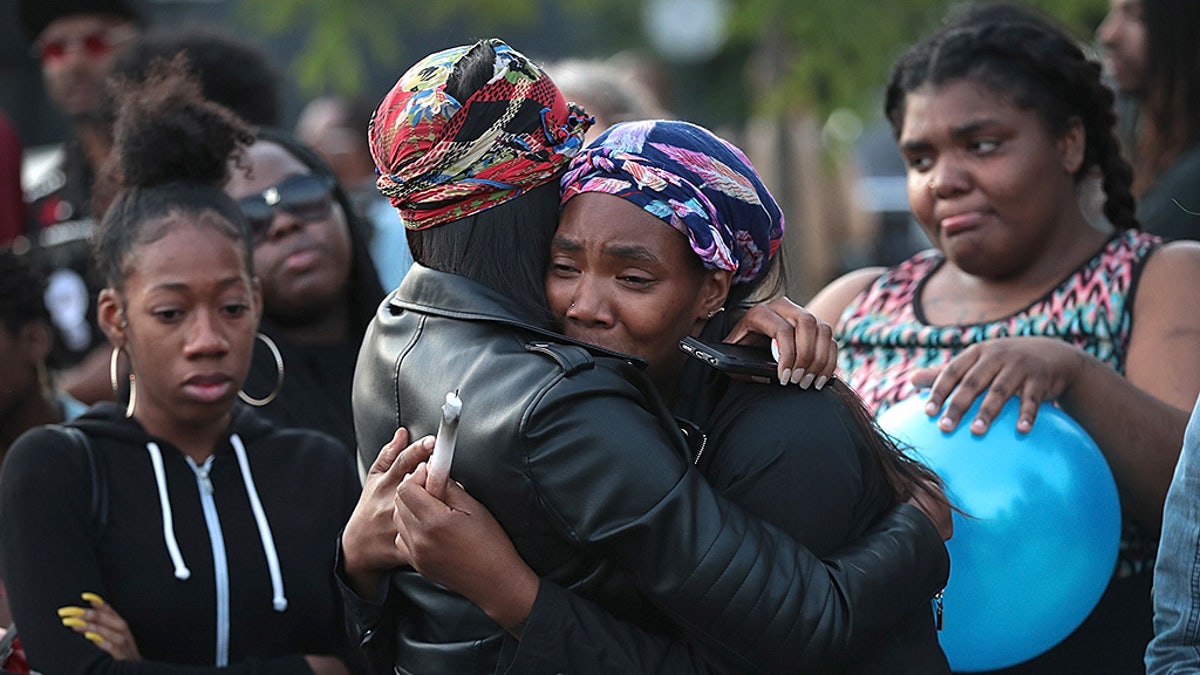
736	585
566	633
370	622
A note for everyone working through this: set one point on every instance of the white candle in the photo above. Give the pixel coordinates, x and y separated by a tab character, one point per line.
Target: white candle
443	447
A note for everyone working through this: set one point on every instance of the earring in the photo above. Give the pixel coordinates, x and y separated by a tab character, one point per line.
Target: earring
116	386
715	312
259	402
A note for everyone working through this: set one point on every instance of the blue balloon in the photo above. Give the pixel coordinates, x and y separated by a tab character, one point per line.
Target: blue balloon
1034	554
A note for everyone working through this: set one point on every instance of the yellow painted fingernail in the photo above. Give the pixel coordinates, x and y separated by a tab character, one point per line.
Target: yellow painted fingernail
70	611
92	597
94	637
74	622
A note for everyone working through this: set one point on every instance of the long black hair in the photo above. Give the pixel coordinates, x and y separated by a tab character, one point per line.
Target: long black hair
505	247
1171	121
1020	54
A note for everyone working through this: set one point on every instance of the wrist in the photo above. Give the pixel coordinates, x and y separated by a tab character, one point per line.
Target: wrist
513	604
363	577
1081	366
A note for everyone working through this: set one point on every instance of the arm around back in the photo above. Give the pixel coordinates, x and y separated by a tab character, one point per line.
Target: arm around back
737	585
567	633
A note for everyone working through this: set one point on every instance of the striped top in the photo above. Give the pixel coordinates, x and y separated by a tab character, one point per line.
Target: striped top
884	335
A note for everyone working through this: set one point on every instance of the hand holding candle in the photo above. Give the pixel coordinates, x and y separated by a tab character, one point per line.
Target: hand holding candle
443	449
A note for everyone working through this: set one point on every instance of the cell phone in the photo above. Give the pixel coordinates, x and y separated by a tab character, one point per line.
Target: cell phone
738	361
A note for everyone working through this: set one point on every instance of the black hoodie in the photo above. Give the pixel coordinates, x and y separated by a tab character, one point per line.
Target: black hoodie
175	573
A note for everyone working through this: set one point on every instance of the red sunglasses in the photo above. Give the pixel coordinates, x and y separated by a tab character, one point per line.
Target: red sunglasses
94	45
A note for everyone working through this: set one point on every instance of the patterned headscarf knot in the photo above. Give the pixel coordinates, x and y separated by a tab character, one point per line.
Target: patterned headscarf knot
440	159
692	180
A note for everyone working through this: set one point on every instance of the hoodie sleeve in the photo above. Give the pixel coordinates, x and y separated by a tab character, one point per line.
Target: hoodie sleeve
48	539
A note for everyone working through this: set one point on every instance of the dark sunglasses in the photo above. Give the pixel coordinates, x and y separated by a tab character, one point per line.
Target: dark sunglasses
306	196
93	45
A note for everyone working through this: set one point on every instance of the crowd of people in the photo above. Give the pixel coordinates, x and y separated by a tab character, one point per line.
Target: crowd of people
227	347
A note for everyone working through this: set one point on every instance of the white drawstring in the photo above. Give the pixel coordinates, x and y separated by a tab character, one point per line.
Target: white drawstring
279	602
160	477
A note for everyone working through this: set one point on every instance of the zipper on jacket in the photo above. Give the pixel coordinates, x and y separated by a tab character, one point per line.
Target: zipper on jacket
216	539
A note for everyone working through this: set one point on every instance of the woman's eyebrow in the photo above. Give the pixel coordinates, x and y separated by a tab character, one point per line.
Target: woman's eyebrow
631	252
566	244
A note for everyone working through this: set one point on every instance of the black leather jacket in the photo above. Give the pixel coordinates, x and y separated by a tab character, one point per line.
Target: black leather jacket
580	461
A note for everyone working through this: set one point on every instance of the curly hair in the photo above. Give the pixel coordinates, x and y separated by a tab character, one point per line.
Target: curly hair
231	70
22	292
1022	55
170	158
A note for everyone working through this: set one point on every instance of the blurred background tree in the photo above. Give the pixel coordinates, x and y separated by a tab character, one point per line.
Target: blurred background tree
769	56
796	84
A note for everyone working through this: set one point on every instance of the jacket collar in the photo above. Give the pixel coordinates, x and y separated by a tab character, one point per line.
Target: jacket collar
429	291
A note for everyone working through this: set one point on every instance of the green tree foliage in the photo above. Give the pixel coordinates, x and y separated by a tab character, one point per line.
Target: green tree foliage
782	55
829	54
339	38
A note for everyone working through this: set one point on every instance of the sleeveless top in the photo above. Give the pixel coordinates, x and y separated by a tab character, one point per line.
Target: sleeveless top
884	335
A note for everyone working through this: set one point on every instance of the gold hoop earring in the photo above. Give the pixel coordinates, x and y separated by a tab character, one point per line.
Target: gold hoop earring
260	402
116	385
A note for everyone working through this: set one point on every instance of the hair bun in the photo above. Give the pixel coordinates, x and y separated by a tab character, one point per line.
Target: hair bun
166	131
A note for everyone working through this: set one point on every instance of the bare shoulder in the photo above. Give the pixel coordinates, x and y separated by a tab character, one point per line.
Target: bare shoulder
1173	254
1171	276
829	303
1162	357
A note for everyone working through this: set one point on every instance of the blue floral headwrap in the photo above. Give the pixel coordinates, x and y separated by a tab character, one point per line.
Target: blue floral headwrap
692	180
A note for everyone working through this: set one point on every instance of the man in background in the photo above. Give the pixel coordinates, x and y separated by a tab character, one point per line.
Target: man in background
75	41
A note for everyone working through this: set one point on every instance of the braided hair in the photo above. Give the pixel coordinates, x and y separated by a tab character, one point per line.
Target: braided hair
1021	55
170	158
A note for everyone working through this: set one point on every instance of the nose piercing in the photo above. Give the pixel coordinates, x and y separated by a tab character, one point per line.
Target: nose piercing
932	187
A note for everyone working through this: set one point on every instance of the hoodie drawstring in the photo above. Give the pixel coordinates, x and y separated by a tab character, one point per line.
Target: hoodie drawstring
160	477
279	602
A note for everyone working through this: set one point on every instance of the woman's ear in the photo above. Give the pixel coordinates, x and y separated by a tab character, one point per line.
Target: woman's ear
111	316
713	292
1072	146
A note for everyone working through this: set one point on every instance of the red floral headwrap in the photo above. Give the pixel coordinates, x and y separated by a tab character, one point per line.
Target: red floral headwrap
440	160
